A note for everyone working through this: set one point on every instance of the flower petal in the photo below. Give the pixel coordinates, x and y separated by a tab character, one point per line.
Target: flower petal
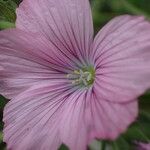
73	129
142	146
26	59
122	59
108	119
67	23
86	116
32	118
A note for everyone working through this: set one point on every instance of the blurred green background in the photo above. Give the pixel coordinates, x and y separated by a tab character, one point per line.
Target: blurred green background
103	11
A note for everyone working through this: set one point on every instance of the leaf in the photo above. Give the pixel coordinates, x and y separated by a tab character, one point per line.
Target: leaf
140	130
6	24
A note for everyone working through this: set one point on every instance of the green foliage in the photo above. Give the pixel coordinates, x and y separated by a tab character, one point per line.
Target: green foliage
7	10
6	24
2	102
138	131
63	147
103	11
7	13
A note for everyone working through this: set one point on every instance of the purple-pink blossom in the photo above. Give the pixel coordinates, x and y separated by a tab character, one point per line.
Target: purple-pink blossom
64	85
142	146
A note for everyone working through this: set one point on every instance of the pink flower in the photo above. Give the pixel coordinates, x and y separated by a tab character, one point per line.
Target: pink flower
64	86
143	146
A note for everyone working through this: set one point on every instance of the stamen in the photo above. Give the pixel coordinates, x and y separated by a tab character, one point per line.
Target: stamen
83	77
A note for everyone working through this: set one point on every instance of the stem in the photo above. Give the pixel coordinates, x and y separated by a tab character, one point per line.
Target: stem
103	145
1	136
114	146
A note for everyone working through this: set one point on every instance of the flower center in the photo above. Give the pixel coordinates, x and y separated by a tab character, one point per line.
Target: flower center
83	77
